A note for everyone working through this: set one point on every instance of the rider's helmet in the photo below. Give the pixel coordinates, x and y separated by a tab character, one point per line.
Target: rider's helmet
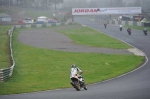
73	66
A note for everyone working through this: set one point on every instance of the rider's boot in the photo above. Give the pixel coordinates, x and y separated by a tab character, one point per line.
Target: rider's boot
72	84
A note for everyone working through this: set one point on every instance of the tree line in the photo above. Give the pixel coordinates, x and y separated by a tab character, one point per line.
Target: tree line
48	4
38	4
107	3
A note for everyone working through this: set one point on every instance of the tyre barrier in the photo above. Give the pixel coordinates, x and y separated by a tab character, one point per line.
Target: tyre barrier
41	25
7	72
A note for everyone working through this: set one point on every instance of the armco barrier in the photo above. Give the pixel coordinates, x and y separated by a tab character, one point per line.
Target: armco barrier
7	72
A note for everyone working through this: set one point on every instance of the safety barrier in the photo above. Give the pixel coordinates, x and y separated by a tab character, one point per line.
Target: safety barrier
41	25
134	23
7	72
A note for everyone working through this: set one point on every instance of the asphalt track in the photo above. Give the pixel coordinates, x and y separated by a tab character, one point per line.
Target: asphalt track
134	85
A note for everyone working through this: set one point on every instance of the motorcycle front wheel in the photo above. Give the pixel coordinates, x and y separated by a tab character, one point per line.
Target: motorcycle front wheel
145	33
129	33
85	87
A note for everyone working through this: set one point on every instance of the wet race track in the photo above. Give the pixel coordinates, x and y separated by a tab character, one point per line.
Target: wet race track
134	85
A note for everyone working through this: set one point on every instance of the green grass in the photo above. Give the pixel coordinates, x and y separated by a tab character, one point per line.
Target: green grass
137	27
90	37
40	69
36	13
4	47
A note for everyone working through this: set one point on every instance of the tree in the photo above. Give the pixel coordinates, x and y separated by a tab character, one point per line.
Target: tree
138	3
4	2
56	2
116	3
141	3
93	4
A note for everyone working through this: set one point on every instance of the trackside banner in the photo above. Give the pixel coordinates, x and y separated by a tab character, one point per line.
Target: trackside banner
100	11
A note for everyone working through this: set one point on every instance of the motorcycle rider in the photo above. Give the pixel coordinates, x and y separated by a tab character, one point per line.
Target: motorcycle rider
145	31
120	27
105	25
129	31
74	71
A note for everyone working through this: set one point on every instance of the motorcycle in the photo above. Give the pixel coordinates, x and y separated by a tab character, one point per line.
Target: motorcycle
145	32
78	82
129	32
120	28
105	25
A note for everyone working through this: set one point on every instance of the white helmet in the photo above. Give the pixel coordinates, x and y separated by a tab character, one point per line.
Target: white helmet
73	66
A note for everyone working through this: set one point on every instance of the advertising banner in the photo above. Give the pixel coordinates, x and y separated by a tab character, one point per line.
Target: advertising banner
103	11
137	18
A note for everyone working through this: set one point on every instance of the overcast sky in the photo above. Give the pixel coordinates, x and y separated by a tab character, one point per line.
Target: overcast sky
127	1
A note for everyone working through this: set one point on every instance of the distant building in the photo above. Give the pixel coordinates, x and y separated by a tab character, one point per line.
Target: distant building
4	17
42	20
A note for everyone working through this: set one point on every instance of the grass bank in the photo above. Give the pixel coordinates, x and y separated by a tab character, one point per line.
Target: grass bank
137	27
4	47
40	69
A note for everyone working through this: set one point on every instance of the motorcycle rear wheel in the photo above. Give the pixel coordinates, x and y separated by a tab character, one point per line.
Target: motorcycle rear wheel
77	86
129	33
